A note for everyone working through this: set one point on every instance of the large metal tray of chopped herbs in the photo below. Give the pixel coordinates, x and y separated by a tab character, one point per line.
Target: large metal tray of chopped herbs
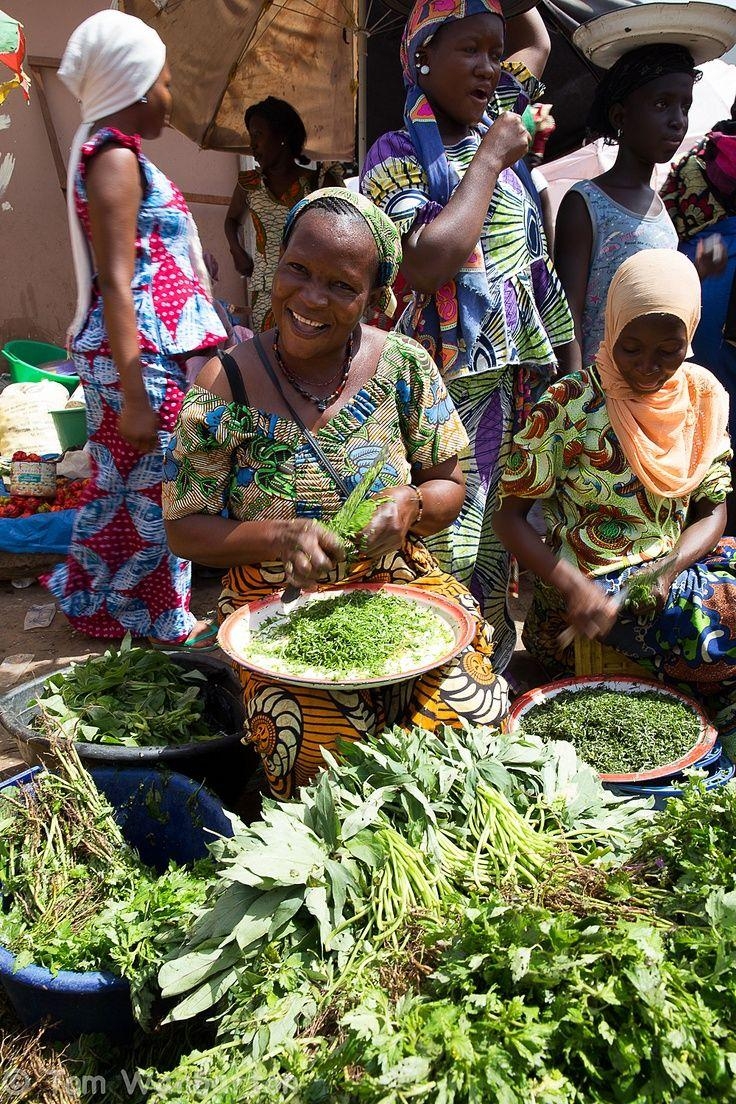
355	636
629	729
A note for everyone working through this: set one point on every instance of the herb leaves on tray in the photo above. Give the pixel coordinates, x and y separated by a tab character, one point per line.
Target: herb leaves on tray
360	633
617	733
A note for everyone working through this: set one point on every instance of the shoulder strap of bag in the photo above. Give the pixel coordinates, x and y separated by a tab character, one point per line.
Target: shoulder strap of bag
234	377
308	435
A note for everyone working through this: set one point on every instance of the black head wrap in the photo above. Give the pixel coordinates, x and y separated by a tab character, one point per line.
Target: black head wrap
635	69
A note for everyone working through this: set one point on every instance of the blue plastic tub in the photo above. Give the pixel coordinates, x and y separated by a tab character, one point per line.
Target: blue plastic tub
719	773
164	816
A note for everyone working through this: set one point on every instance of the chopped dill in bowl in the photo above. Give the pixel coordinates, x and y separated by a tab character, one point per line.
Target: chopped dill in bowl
361	635
616	733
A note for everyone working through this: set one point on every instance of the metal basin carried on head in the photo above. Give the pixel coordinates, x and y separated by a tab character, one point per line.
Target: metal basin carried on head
628	686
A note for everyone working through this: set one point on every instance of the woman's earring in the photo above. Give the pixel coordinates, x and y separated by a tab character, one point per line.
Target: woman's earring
143	99
423	67
619	132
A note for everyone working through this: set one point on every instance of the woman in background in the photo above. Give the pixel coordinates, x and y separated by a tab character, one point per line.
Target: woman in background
143	307
266	195
642	103
630	459
487	303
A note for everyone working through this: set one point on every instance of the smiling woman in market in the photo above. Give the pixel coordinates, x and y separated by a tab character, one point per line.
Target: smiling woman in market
278	434
630	459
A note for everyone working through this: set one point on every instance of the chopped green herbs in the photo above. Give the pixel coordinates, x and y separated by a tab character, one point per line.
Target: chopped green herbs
133	697
362	634
617	733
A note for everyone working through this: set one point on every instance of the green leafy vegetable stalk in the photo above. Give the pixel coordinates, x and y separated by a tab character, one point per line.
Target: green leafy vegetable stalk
357	510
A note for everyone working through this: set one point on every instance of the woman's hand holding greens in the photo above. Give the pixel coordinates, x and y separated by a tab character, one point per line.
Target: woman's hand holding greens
391	521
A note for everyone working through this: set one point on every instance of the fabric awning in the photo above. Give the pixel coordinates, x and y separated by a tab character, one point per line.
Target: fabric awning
227	54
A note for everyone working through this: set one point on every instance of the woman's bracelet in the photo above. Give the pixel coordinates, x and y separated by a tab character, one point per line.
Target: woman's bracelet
420	505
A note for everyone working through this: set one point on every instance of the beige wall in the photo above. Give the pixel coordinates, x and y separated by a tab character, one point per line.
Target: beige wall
37	292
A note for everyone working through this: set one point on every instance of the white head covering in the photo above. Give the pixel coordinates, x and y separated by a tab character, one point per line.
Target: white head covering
110	62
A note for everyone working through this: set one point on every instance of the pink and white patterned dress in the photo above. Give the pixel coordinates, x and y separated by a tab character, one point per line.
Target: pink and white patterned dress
119	575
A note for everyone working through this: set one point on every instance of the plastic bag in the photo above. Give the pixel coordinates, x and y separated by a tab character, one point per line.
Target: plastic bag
25	421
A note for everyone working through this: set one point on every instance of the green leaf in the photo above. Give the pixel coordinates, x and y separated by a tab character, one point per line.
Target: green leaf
721	907
189	970
204	998
367	813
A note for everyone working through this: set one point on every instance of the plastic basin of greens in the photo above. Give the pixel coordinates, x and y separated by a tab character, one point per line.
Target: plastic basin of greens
625	686
223	762
165	817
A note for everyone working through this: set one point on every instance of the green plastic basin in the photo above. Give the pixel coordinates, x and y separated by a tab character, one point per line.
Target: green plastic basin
71	427
26	357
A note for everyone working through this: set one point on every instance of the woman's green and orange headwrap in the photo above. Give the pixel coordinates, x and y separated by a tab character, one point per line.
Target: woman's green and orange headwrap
385	235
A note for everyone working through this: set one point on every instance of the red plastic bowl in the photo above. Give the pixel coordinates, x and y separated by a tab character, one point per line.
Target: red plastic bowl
704	743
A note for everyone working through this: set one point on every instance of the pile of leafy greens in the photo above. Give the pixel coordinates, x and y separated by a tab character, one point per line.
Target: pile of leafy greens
76	896
130	696
460	918
611	987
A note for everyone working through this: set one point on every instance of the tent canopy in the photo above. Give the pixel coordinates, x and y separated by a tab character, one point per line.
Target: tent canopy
227	54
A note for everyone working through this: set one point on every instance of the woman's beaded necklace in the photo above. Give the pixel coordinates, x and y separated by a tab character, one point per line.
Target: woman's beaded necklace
320	401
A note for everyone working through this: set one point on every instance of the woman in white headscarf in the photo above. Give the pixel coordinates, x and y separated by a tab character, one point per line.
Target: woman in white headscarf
143	307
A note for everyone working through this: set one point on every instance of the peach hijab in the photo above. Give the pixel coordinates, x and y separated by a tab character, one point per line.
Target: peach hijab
672	437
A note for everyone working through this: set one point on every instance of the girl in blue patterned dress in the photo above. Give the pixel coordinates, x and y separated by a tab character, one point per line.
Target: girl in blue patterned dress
142	309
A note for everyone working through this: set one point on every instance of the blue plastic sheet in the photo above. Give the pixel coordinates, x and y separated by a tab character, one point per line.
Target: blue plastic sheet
44	533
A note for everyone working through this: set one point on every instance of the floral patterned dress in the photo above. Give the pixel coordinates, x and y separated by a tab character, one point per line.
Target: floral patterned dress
258	466
120	576
601	519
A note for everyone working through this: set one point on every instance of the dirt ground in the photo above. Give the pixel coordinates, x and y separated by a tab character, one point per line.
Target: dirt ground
27	653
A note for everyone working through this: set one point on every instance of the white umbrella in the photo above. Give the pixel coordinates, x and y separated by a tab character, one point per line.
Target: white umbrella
227	54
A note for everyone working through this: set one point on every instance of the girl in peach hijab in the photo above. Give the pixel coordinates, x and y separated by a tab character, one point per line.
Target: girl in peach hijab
631	461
